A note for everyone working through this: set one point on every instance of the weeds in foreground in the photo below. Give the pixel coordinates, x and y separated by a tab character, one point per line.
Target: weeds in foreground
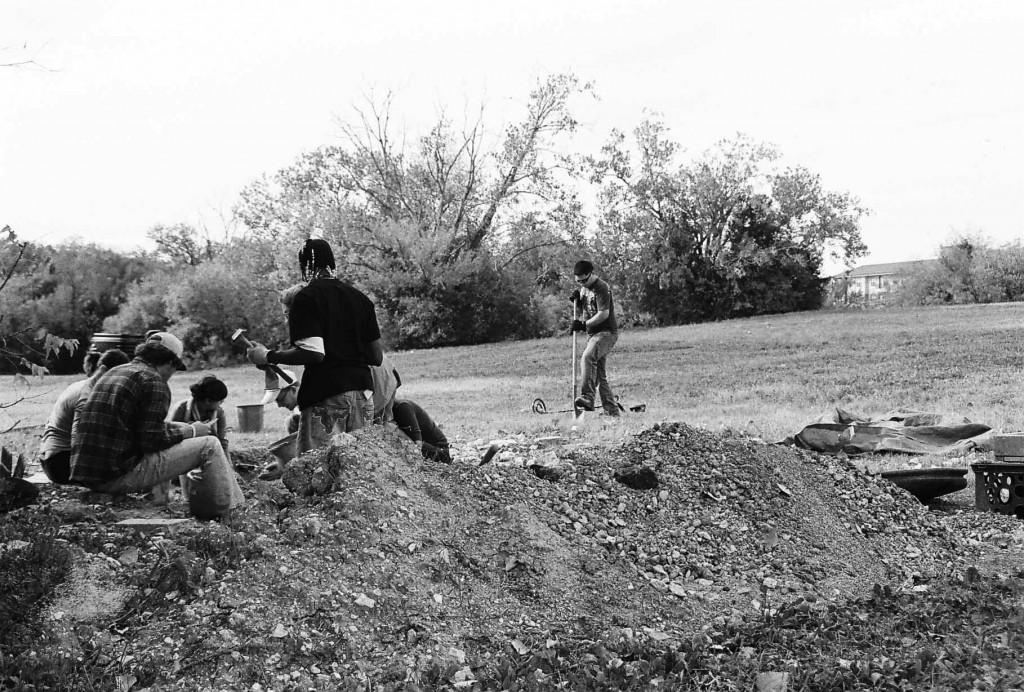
33	560
957	634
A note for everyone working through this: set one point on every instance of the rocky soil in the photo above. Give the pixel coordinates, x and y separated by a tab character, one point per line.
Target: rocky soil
367	567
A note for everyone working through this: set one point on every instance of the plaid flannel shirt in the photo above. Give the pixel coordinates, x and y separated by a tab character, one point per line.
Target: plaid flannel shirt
122	420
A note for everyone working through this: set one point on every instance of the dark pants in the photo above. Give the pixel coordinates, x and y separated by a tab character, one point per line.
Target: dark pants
57	467
419	427
594	375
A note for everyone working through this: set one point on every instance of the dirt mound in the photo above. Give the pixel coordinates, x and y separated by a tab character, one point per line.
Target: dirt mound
369	564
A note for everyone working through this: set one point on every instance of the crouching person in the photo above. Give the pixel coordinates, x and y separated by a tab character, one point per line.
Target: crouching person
122	444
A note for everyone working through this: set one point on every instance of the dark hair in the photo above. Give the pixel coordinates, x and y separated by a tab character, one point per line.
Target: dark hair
209	388
314	257
91	360
155	353
113	357
582	267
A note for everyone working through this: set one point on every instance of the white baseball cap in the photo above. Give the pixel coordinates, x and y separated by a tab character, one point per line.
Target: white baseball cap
172	344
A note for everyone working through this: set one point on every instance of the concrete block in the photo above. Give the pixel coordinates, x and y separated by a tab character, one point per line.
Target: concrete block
1008	445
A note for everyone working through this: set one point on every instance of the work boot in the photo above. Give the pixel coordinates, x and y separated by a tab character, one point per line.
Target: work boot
584	403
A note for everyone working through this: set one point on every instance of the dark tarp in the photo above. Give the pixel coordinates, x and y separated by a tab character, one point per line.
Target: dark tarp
903	432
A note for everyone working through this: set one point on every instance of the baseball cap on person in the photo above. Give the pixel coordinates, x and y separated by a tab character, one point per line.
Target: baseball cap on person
171	343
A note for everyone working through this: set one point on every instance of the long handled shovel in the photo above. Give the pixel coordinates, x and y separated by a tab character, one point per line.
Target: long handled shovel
577	412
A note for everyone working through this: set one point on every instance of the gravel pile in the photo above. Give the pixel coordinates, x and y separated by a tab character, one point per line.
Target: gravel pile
367	563
740	522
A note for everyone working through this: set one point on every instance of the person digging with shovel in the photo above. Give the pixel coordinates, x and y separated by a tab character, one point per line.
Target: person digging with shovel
593	298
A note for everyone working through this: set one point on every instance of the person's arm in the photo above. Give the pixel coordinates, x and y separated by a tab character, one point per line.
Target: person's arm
153	432
222	430
371	332
375	352
295	356
307	343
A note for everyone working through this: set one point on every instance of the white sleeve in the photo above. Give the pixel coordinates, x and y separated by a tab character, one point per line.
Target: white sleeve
312	343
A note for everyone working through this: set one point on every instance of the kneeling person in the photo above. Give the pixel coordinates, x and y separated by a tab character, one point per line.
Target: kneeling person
122	443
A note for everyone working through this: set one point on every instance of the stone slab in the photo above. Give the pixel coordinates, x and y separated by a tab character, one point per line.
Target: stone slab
151	524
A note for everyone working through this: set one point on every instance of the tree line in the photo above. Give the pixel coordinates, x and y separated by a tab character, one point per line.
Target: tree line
464	235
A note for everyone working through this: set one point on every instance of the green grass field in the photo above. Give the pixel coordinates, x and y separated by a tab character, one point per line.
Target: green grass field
767	376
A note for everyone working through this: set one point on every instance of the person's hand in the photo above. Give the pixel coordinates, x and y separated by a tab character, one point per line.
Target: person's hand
579	326
257	355
202	429
574	297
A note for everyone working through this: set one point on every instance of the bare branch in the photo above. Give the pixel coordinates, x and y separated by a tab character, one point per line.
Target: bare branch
528	249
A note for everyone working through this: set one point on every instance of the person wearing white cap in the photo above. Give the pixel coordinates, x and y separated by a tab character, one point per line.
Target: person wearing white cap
123	444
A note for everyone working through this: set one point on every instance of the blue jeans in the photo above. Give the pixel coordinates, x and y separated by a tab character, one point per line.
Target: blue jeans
343	412
594	375
208	481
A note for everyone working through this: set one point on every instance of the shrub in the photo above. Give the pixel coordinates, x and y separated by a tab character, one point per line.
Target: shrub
466	302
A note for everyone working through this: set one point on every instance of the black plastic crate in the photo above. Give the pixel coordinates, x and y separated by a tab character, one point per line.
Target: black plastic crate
103	341
999	487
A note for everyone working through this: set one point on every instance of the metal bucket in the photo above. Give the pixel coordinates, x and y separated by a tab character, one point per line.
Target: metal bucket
285	448
250	418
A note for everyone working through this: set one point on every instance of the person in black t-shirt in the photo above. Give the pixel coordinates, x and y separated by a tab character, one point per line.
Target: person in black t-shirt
333	331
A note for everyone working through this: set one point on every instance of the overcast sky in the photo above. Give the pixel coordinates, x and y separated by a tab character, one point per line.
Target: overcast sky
150	113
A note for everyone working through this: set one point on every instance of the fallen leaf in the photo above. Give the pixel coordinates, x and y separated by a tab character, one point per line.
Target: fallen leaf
365	601
521	649
656	635
279	632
